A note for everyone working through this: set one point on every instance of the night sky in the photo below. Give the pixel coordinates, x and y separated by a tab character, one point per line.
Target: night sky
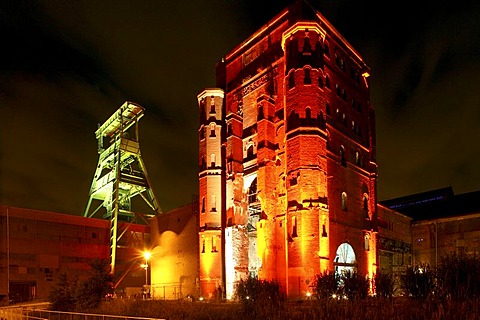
68	65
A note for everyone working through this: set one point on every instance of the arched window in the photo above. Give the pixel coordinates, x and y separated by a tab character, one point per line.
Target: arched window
326	49
214	244
203	245
358	160
294	227
291	80
260	115
212	130
203	116
365	206
212	160
367	242
344	201
252	191
307	48
214	203
250	152
343	161
307	78
212	104
308	113
320	81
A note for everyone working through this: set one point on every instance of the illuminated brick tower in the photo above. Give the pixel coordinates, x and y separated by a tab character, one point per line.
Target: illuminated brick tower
211	179
295	187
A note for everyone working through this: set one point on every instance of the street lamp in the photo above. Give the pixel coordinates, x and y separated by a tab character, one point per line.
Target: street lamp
147	256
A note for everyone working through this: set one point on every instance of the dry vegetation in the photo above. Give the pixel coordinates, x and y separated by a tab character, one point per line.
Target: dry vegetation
371	309
451	291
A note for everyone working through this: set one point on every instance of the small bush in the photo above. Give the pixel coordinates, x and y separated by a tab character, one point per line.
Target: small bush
355	286
260	297
325	285
96	288
384	284
62	295
419	281
458	277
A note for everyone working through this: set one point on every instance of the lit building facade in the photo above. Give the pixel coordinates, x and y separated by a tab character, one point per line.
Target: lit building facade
287	168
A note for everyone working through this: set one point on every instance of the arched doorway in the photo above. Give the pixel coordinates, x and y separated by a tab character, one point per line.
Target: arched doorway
344	259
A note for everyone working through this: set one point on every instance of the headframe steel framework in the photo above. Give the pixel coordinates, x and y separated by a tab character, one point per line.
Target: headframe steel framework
120	175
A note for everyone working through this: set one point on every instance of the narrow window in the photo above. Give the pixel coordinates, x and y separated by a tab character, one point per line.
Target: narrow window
343	162
212	104
365	206
203	204
212	130
307	79
214	245
203	116
212	160
327	82
250	152
344	201
203	245
260	115
214	204
308	113
326	49
367	242
294	227
320	81
324	231
307	48
291	80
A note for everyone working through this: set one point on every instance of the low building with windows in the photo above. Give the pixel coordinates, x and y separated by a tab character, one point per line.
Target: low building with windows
37	246
443	223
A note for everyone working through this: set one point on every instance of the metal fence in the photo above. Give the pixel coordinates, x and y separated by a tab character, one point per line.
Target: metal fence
29	313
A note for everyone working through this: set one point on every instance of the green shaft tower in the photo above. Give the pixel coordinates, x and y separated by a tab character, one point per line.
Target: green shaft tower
120	175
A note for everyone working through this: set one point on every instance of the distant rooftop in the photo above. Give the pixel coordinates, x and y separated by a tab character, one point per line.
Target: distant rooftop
439	203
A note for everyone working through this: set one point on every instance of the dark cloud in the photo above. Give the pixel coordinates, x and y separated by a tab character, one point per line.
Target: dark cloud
68	65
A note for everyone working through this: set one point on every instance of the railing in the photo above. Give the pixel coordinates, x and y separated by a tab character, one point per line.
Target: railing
32	313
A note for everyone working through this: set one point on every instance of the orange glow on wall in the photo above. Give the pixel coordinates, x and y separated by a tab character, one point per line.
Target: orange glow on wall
372	257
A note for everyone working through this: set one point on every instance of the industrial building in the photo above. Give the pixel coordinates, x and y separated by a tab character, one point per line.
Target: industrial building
38	246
